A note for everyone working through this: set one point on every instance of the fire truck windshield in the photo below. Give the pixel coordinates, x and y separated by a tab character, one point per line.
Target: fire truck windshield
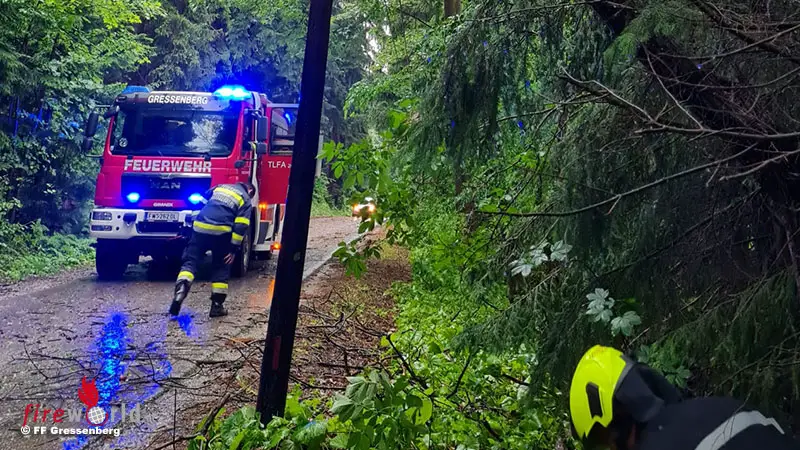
140	131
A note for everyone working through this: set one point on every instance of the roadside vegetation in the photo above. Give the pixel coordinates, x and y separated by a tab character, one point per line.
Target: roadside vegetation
561	175
565	175
30	250
323	203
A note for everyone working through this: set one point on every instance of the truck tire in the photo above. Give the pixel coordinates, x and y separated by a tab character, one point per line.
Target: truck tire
110	260
242	262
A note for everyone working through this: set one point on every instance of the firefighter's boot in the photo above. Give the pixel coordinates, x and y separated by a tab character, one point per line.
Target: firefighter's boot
217	309
181	291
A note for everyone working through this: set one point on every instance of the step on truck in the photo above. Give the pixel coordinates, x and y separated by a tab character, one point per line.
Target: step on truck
164	150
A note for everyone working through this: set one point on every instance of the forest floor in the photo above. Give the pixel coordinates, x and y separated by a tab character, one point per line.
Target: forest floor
338	332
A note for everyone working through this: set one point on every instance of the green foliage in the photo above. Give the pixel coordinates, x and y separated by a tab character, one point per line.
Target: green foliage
617	314
322	204
303	426
28	250
507	135
366	169
668	359
381	413
537	255
433	393
57	59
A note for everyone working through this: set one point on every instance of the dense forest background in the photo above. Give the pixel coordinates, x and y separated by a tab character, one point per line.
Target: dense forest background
564	173
60	59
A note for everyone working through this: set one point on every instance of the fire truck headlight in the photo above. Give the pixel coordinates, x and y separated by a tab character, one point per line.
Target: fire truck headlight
133	197
102	215
195	198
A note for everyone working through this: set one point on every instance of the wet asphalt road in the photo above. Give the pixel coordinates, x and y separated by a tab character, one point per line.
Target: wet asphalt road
55	331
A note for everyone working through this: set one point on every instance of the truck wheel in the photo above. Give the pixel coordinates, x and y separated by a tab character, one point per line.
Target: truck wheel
242	261
110	260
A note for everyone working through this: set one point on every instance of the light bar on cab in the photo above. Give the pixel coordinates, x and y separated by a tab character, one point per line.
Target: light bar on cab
134	89
232	92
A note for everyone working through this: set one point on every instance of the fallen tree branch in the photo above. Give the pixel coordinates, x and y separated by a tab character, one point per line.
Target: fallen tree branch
460	377
514	379
206	425
405	363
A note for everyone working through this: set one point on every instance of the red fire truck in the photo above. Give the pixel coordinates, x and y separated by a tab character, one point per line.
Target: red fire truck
164	150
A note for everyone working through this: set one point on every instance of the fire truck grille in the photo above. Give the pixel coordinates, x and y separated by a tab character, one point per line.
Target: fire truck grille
158	187
158	227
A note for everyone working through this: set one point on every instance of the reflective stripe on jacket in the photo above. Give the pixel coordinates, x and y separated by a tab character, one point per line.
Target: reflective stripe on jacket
713	423
227	211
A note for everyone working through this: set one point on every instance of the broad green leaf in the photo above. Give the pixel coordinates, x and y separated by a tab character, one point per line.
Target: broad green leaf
624	324
343	407
339	441
313	430
237	440
559	251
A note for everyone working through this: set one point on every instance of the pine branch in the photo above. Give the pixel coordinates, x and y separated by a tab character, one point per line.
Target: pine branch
637	190
715	15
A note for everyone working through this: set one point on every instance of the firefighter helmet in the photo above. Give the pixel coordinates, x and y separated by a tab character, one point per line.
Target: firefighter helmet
591	396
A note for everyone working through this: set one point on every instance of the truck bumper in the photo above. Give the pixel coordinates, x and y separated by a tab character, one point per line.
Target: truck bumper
111	223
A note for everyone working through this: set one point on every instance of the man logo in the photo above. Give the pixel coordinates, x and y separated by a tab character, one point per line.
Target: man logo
165	184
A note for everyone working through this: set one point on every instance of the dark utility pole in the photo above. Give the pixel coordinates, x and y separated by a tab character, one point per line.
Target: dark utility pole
289	277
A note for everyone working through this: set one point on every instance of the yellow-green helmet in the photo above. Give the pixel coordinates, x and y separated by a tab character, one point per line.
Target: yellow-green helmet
591	395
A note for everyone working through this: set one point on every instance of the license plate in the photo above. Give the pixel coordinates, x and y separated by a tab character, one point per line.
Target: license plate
161	216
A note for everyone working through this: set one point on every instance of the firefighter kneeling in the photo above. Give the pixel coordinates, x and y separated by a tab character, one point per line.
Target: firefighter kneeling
220	227
616	402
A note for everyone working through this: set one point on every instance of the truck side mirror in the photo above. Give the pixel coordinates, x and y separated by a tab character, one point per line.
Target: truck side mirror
86	145
111	112
261	129
261	148
91	125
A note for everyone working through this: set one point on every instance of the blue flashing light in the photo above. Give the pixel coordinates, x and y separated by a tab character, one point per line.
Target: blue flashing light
195	198
134	89
133	197
232	92
288	118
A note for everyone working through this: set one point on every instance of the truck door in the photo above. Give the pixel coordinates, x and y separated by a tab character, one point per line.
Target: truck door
274	171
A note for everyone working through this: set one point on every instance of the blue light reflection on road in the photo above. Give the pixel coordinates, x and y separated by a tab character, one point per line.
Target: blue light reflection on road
111	356
187	325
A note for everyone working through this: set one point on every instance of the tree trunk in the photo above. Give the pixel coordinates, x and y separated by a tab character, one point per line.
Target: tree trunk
452	7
